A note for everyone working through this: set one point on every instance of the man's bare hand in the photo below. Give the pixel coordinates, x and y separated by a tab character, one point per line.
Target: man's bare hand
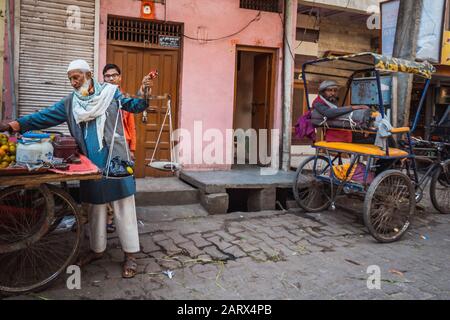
147	82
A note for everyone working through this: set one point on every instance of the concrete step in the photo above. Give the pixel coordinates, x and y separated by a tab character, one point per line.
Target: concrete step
165	191
153	214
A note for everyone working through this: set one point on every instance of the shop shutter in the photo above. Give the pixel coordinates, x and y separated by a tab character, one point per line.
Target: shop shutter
47	46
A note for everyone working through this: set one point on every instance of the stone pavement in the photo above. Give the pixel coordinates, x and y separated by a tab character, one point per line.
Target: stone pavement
269	255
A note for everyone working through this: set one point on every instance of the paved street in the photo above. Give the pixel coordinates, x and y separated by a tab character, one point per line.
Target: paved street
270	255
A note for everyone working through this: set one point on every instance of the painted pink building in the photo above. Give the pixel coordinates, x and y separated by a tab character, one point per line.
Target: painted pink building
7	66
208	79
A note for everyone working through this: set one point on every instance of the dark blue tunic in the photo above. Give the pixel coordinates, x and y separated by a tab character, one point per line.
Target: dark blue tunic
94	192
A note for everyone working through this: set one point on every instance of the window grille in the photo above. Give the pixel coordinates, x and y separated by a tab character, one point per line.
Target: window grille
138	30
262	5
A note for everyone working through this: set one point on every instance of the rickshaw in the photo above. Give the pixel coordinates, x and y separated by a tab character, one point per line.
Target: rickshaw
389	196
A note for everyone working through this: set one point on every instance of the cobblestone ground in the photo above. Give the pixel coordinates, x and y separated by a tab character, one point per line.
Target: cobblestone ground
271	255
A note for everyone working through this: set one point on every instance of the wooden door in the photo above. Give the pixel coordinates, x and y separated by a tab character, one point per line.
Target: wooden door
261	92
261	98
135	63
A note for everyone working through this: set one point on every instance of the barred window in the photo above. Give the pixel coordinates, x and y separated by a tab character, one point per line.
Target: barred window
262	5
138	30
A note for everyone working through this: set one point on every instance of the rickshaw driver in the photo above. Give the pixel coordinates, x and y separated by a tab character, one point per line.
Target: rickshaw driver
326	105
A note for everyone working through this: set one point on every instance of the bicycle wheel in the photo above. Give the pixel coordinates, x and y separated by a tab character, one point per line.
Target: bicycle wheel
388	206
34	267
312	194
440	188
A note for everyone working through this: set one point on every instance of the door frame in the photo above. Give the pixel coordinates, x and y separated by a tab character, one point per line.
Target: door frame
149	46
274	52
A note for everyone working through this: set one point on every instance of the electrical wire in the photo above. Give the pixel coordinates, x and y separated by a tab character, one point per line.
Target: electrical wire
314	27
257	18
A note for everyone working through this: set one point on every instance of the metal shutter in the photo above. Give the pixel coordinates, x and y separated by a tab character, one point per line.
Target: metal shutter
47	46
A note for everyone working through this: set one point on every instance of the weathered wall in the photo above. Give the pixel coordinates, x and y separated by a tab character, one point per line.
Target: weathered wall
346	37
208	70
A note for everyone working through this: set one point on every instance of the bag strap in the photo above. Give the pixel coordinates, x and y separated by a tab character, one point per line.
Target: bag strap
108	161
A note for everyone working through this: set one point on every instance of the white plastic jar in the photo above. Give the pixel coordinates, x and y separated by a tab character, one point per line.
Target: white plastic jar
35	150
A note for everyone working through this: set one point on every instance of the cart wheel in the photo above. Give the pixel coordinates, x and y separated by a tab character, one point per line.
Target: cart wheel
34	267
440	188
388	206
311	194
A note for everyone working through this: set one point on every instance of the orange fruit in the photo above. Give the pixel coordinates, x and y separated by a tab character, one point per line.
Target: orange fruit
5	148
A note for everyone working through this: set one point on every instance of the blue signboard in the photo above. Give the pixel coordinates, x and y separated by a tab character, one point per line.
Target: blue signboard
365	91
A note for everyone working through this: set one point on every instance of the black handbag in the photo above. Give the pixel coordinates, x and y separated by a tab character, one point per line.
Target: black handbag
117	167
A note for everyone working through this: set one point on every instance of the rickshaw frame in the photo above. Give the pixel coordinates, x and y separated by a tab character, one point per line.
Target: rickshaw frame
381	110
330	152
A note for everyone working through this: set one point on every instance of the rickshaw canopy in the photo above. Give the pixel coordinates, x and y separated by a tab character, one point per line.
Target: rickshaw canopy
342	68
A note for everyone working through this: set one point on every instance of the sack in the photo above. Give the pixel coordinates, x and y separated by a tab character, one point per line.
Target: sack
120	168
357	174
116	167
304	128
355	120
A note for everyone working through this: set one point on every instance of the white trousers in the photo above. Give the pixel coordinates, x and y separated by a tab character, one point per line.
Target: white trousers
126	225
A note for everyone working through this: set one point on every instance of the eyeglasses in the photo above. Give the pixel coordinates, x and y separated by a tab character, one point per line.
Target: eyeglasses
111	76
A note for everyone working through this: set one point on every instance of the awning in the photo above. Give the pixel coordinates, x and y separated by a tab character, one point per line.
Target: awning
342	68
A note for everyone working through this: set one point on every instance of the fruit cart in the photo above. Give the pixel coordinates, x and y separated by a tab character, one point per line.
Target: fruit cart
36	244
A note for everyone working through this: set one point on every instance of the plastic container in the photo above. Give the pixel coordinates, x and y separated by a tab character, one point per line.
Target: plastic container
65	147
34	149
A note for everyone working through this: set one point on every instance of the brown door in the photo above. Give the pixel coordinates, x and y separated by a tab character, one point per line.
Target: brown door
135	63
261	96
261	92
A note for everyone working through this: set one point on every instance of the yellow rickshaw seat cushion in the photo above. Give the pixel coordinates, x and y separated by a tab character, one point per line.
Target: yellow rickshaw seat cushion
400	130
367	149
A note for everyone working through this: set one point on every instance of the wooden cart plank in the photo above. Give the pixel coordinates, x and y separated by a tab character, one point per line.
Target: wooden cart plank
44	178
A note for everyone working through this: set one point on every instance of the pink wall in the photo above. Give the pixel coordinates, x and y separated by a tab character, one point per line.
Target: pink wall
208	70
7	81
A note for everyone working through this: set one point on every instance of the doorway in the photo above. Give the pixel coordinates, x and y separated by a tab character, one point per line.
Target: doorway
137	57
254	97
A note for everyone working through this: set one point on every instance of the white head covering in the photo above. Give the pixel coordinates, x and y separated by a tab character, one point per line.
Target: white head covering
81	65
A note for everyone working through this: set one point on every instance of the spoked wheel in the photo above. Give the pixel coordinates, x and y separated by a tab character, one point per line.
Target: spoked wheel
33	266
389	205
311	193
440	188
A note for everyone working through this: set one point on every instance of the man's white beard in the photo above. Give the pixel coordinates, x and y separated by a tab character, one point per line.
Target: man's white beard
84	89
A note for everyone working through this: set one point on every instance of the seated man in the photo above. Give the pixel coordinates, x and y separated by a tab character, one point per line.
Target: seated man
325	105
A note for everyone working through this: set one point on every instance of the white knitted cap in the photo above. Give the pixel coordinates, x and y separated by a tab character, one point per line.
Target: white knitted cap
79	65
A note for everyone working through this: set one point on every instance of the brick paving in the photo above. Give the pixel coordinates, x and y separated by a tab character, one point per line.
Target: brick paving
272	255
